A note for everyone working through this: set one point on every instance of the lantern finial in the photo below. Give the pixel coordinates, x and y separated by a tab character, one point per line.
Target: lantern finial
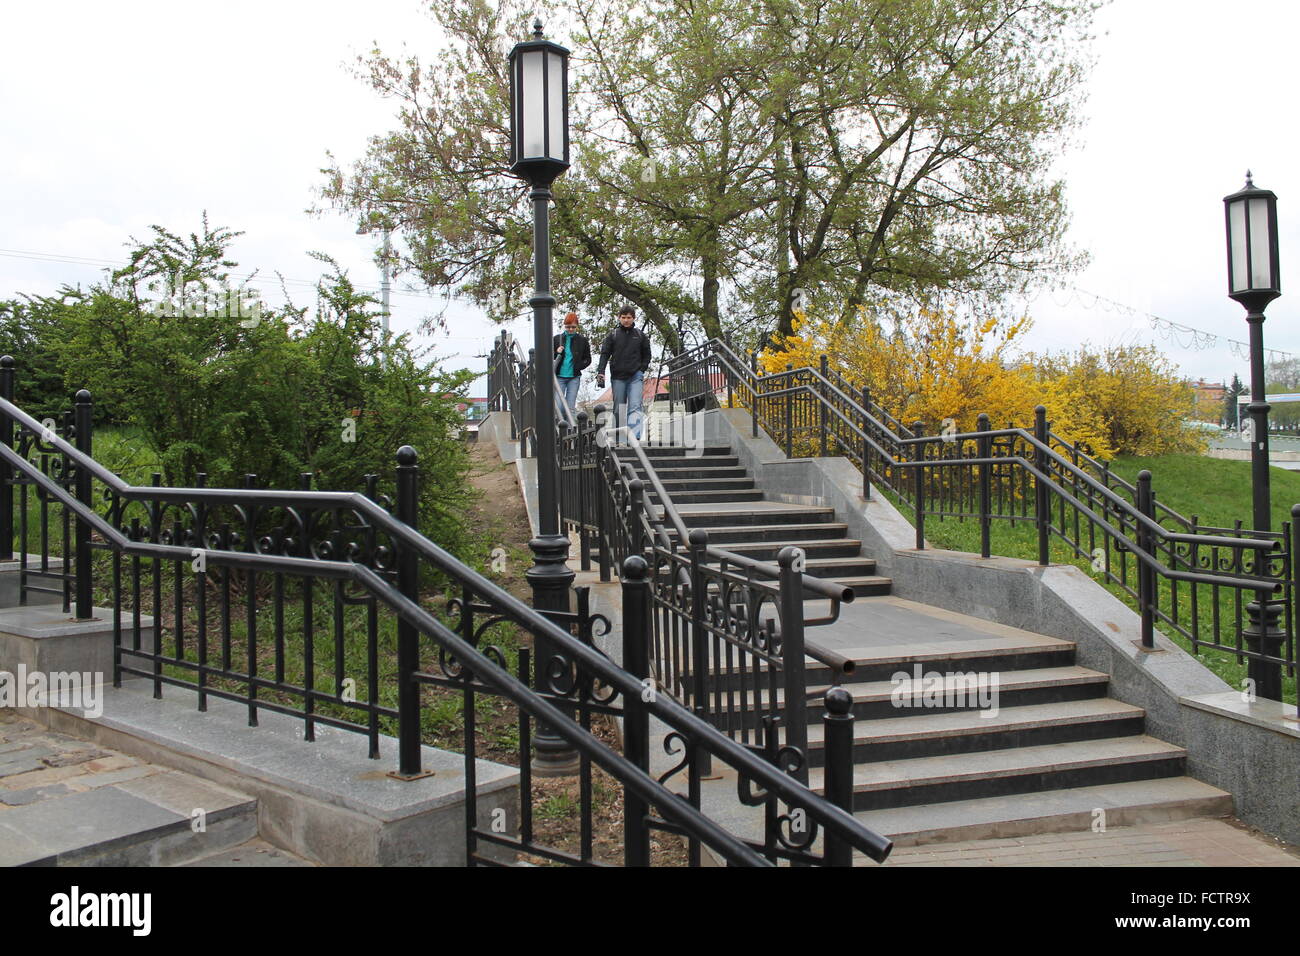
537	29
1249	180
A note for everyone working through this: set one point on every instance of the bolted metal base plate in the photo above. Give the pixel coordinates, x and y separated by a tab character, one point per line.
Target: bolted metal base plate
398	775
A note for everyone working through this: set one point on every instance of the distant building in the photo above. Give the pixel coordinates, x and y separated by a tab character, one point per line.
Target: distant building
1209	400
473	408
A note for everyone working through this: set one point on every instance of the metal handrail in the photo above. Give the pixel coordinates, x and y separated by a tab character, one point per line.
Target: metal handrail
837	593
897	461
837	821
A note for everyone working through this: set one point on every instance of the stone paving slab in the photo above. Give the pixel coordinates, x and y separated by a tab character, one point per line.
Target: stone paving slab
64	800
79	821
1196	842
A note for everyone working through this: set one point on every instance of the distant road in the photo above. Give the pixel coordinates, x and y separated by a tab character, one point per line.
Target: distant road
1276	444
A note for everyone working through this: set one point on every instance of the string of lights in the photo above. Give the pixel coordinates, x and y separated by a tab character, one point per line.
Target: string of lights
1184	336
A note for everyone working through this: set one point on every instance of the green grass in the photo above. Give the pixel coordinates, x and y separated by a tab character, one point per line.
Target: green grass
1216	491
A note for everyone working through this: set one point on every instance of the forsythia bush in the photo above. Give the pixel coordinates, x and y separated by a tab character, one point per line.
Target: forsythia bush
1121	401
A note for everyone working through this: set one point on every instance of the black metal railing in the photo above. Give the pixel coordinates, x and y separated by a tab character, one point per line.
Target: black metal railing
728	631
1193	579
317	605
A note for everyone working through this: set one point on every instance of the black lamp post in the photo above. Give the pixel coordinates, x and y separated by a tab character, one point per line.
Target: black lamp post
1254	281
539	152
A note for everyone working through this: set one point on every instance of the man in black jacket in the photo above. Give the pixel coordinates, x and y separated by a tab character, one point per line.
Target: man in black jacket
627	352
572	355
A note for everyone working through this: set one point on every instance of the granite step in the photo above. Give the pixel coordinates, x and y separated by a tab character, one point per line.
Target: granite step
997	773
783	534
163	819
878	700
901	738
751	513
1077	810
706	497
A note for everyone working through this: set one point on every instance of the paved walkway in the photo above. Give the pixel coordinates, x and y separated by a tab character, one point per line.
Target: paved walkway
1198	842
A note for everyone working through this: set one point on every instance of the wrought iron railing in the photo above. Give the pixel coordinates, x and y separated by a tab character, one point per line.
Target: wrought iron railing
1195	580
728	633
336	631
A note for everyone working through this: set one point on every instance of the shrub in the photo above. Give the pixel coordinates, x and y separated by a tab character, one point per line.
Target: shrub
273	395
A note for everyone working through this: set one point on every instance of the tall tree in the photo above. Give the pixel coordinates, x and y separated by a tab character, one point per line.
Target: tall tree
733	161
1235	389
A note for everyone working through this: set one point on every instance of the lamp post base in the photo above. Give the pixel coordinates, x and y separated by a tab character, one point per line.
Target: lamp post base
1263	636
551	581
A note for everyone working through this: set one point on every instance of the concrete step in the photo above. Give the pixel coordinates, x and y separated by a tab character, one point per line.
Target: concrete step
752	513
872	585
996	773
917	639
690	464
781	535
694	468
675	486
700	497
814	550
655	452
1077	810
141	821
324	800
902	738
878	700
253	853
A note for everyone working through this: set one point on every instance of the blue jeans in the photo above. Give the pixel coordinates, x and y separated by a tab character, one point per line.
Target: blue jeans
628	391
569	386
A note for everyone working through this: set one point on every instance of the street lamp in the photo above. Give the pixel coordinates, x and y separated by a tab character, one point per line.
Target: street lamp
1254	281
539	152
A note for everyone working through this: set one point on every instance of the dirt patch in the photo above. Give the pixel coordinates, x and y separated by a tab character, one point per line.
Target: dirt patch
500	518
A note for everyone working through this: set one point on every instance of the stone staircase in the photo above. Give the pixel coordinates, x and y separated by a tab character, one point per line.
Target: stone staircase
712	491
1013	738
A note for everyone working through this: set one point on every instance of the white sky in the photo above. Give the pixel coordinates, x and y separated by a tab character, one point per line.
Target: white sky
120	115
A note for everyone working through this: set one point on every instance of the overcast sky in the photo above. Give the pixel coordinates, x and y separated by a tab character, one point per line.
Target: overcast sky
120	115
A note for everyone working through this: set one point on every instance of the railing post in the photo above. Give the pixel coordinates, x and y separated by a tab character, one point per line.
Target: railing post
791	561
789	412
82	424
6	470
866	445
821	406
580	442
984	449
1146	574
918	482
408	639
1042	518
837	732
604	513
753	396
698	541
636	715
636	507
